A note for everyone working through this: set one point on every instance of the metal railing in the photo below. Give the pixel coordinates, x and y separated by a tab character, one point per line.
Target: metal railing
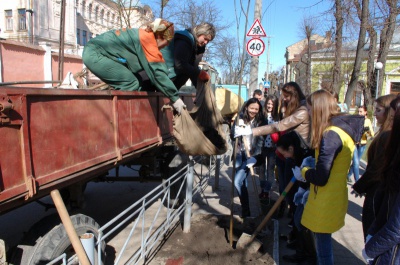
170	203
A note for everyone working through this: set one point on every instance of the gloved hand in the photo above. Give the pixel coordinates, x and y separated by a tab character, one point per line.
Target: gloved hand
240	131
298	196
356	194
297	174
251	161
179	106
274	137
204	76
305	197
367	259
309	161
367	238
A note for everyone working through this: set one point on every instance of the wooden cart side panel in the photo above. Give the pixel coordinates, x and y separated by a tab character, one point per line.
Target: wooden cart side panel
66	132
57	134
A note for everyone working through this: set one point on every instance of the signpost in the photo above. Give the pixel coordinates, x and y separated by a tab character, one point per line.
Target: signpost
255	46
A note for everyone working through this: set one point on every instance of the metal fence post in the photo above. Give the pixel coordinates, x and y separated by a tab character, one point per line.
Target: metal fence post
217	169
189	196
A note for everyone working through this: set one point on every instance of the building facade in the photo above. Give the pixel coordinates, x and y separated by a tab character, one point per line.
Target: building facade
322	62
39	21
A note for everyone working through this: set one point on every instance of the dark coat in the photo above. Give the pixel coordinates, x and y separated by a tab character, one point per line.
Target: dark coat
369	181
384	243
187	58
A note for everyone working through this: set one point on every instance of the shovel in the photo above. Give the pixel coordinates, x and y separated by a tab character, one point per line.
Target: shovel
247	148
250	241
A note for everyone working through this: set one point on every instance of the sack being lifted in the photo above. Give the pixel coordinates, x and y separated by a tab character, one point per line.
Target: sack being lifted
199	132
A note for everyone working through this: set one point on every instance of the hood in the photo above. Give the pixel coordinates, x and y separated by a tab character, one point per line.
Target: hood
353	125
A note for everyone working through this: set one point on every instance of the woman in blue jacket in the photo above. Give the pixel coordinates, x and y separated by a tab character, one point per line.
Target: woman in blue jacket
383	241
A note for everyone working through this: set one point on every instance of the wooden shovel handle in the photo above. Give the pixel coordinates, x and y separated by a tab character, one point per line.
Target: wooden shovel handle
273	209
69	227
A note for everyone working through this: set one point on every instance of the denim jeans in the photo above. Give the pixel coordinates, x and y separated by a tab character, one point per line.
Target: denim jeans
297	217
242	171
355	166
267	173
323	244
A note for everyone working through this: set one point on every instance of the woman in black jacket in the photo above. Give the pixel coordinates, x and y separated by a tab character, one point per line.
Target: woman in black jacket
383	240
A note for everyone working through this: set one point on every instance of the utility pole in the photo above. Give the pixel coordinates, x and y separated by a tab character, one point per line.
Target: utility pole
268	69
255	60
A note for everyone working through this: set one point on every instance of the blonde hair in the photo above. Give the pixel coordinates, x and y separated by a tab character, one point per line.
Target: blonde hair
323	107
204	28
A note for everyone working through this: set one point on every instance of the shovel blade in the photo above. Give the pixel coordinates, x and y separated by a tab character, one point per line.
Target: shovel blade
249	243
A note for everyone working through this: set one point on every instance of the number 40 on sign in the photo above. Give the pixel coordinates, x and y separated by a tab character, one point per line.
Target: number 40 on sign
255	47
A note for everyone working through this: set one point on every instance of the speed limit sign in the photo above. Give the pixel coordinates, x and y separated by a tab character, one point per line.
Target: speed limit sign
255	47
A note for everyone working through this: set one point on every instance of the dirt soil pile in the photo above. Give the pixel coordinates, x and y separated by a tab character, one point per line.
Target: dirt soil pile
208	243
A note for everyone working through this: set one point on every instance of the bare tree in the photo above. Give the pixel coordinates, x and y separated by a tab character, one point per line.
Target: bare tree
337	66
308	28
126	12
362	12
229	60
386	36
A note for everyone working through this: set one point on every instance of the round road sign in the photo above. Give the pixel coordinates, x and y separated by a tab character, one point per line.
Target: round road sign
255	47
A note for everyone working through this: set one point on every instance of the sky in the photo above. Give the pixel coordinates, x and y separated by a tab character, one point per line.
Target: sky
281	20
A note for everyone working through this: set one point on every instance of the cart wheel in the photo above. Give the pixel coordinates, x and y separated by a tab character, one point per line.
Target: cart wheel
55	242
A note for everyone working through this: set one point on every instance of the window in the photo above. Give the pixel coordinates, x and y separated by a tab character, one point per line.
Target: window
78	36
84	37
9	19
90	11
90	35
83	8
96	14
102	17
22	19
395	88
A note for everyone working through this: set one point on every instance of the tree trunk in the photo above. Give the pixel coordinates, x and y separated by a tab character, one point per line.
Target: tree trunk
360	55
336	82
386	38
368	99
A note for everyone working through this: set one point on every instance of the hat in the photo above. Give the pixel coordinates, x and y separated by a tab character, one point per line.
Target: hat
162	29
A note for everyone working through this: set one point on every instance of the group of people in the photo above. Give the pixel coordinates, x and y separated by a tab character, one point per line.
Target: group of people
151	58
309	138
318	144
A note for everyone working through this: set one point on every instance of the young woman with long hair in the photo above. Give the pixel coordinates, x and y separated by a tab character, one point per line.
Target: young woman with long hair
383	246
333	136
369	181
252	116
268	152
295	118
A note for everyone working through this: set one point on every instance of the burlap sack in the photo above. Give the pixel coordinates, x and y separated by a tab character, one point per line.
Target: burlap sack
200	131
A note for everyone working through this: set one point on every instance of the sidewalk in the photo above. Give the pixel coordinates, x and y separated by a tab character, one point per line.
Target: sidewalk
348	241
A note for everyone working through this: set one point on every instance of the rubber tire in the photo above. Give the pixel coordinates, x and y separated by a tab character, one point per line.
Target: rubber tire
56	241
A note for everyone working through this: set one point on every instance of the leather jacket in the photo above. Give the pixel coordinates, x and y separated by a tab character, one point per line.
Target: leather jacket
298	121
